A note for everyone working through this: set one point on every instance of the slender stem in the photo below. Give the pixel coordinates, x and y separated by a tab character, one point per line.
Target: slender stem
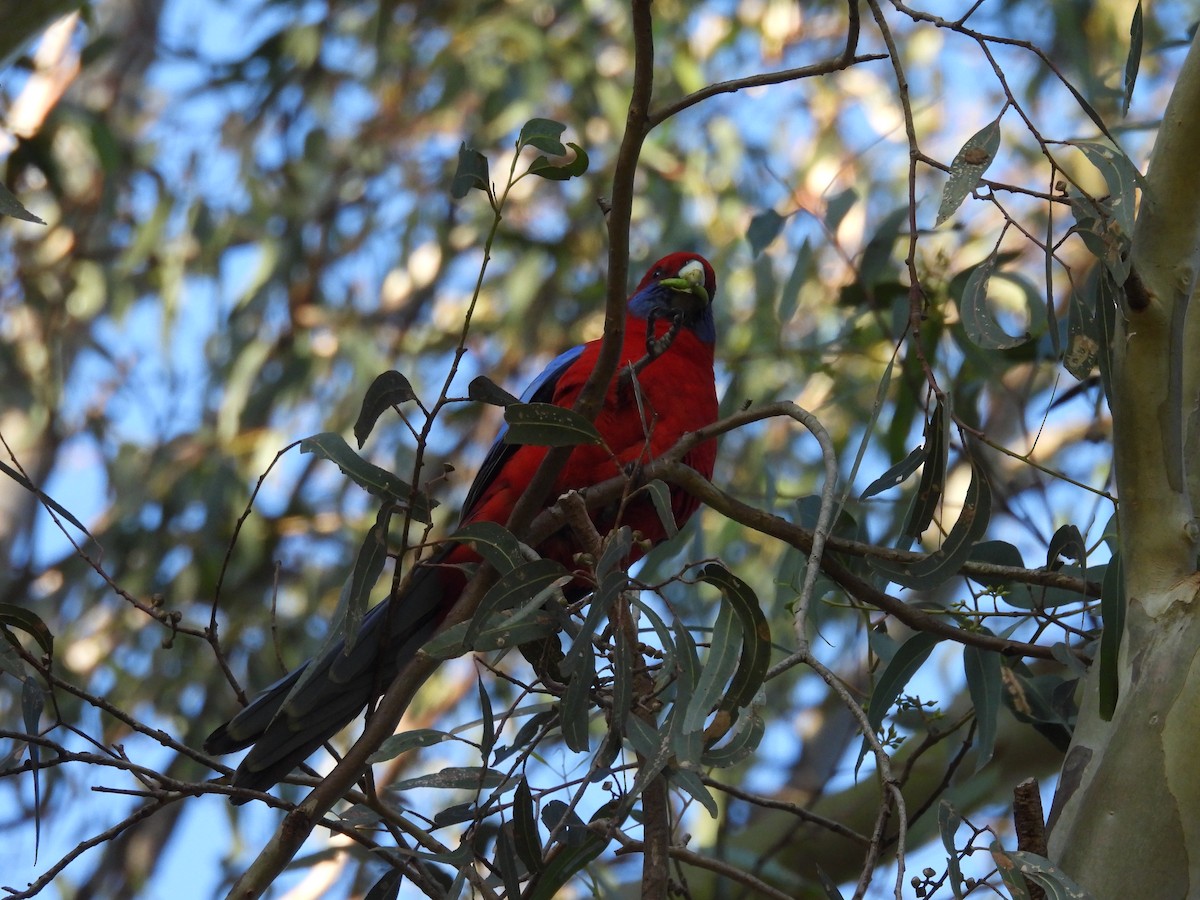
844	60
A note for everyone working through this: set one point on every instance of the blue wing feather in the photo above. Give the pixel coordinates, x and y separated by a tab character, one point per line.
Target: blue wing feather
540	390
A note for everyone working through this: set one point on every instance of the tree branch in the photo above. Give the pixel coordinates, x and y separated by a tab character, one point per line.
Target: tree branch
619	216
844	60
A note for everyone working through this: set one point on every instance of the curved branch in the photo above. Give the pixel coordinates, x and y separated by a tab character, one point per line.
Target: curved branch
619	215
972	569
691	858
862	590
844	60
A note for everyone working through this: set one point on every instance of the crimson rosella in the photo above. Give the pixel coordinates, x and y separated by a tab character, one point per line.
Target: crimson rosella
670	319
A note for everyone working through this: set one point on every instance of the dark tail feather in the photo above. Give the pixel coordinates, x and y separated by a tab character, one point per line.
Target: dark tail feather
285	730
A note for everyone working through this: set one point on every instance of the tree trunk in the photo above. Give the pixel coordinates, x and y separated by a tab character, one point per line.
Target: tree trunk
1126	819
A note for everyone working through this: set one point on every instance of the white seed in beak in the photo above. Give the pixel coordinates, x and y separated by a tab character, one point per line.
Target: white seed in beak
693	271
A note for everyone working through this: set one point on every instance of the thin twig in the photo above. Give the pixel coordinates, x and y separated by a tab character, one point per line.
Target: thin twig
682	854
805	815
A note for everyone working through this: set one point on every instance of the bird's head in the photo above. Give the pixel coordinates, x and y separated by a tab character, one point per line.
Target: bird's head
679	284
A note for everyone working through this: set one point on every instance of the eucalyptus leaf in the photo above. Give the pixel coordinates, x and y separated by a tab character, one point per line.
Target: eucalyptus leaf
547	425
976	155
472	172
369	476
764	228
387	390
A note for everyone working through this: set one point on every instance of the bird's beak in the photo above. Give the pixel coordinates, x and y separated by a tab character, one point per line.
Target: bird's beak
689	281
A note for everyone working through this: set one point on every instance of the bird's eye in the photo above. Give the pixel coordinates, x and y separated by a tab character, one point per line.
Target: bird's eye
658	272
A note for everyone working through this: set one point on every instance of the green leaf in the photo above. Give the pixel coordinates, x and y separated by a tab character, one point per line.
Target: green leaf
896	474
547	425
33	704
409	740
653	746
487	738
764	228
23	620
982	668
43	496
1108	303
526	838
755	658
611	585
897	674
1101	235
576	705
484	390
1050	597
448	643
10	661
11	206
999	553
968	167
520	626
748	734
472	172
877	255
355	591
467	778
689	782
931	570
1134	60
360	816
507	628
1046	701
558	817
837	206
515	587
948	822
933	476
494	543
624	661
543	168
460	879
387	887
801	271
564	865
981	324
1068	543
387	390
1122	177
542	134
1083	340
371	478
1040	871
717	669
368	566
1112	608
828	885
687	678
666	671
507	860
1002	553
1106	224
660	496
615	553
529	732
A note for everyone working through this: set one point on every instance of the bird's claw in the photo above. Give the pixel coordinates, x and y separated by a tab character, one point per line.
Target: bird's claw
656	347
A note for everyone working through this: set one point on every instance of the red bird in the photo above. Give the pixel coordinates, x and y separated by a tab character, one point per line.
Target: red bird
670	318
